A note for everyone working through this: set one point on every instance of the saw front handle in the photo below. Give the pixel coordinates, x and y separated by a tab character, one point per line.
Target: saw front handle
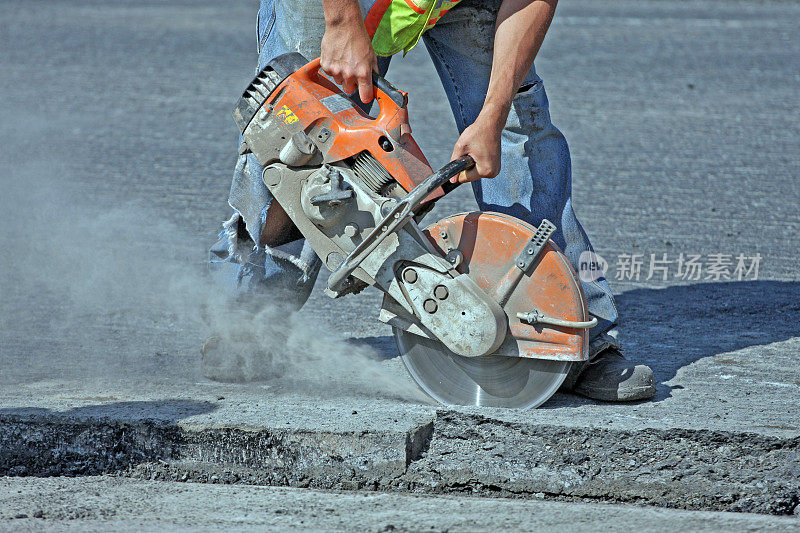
401	213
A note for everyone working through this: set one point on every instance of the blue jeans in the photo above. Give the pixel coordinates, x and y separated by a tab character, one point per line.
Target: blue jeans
534	182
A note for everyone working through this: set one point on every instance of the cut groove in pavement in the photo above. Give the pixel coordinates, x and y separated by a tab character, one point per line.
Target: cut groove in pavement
452	453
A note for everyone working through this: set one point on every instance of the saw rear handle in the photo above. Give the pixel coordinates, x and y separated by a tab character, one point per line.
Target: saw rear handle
395	95
390	99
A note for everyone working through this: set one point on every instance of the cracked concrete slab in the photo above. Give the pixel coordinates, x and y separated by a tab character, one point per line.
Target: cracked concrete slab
245	434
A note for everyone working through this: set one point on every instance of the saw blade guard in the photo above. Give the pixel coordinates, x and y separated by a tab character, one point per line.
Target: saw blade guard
486	247
536	356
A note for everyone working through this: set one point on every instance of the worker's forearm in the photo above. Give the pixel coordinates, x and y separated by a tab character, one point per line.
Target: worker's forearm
521	27
342	11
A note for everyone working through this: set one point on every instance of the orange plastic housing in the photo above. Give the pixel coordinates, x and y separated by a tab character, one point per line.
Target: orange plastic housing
315	100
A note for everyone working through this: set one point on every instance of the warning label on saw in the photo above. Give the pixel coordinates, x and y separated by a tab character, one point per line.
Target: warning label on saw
287	115
336	103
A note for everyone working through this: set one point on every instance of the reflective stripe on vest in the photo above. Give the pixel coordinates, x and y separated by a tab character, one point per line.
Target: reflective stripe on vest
396	25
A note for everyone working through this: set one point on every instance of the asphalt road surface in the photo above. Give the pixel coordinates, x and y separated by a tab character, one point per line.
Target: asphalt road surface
117	151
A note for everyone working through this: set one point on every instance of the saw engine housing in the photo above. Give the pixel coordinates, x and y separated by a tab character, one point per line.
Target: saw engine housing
356	187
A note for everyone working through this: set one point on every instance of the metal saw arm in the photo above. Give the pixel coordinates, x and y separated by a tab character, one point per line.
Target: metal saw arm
402	212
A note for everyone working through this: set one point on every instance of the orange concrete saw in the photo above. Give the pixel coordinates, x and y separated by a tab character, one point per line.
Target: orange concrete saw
486	310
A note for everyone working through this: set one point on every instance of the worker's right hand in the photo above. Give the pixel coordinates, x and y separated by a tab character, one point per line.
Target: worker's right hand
481	141
347	54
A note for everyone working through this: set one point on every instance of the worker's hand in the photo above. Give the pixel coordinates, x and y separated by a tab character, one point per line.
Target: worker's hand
481	141
347	54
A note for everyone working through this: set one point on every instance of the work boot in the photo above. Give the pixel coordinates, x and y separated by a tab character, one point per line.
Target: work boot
608	376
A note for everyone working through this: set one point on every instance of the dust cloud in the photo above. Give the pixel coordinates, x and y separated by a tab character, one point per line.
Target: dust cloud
118	292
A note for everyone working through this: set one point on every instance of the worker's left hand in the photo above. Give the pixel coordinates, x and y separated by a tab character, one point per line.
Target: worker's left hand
481	141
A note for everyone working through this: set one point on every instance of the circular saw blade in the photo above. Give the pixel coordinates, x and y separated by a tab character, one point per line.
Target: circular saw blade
535	359
489	381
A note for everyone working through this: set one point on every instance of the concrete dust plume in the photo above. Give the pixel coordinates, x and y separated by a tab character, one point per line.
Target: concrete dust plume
120	292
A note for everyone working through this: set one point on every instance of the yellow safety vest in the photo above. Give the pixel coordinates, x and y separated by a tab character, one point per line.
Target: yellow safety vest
396	25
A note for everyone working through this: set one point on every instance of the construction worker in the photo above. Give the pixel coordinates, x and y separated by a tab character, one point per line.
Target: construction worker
483	51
